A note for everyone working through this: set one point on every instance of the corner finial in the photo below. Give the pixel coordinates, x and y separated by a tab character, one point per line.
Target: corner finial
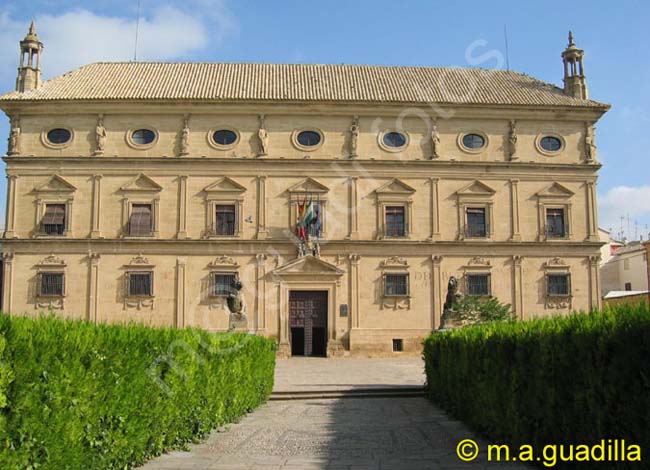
32	28
571	38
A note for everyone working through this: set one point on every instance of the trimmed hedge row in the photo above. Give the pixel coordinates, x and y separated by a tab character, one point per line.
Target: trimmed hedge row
562	380
76	395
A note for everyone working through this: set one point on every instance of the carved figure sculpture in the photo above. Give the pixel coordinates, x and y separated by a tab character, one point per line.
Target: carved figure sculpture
590	143
452	293
100	136
354	137
512	140
13	147
263	138
185	138
435	140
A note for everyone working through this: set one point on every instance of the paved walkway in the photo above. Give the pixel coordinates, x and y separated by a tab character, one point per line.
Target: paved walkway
350	433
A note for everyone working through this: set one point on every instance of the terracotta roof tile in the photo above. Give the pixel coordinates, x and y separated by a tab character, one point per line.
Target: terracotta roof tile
298	83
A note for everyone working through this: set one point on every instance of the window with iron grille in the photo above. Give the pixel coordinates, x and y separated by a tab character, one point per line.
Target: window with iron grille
53	222
558	284
51	284
140	284
555	223
628	286
316	226
476	222
222	283
140	221
225	219
478	284
396	284
395	221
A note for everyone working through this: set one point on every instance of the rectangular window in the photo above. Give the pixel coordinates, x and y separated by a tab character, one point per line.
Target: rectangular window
140	221
225	219
140	284
316	225
476	222
396	284
395	221
398	345
478	284
53	222
555	223
51	284
558	284
221	283
628	286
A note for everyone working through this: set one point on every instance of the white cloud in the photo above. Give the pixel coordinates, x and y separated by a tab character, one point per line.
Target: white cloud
78	37
622	201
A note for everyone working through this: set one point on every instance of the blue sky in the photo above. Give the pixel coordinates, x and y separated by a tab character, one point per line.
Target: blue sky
614	35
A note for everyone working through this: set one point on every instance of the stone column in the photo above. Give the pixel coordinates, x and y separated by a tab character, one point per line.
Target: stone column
352	208
260	294
93	284
435	210
517	286
284	347
592	216
353	314
594	283
180	319
10	223
95	231
514	210
436	291
7	282
182	207
261	208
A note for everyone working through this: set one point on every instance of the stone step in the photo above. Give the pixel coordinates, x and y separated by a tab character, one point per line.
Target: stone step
389	392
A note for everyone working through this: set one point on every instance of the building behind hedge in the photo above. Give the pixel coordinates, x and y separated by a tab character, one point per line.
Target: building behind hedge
139	191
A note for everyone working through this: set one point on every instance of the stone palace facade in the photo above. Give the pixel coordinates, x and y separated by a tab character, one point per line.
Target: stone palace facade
139	191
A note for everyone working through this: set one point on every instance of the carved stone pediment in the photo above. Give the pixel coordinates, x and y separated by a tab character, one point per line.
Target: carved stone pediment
141	183
55	184
51	261
223	261
138	262
308	186
476	188
556	263
224	185
395	262
395	186
478	261
556	190
308	266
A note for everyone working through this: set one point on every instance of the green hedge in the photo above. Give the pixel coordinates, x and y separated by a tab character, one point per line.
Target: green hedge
74	395
562	380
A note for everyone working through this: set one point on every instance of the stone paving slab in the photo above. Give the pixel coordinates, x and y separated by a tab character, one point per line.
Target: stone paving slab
335	374
369	433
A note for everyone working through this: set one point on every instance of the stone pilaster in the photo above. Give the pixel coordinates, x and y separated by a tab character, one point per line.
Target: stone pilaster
594	282
514	210
182	207
436	291
181	320
7	282
261	208
518	287
95	231
93	287
10	222
260	294
434	210
592	214
352	209
353	314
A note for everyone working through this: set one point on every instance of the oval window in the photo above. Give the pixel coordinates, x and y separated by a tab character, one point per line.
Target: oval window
550	143
224	137
59	136
309	138
143	136
473	141
394	139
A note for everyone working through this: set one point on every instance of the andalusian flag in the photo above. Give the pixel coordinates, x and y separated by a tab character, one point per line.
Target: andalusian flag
308	215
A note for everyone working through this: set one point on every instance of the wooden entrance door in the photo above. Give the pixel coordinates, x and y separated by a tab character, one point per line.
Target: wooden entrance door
308	322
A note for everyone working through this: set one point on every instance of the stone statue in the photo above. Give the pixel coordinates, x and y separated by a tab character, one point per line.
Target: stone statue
100	136
237	306
590	144
450	318
263	138
13	147
512	140
452	293
435	140
354	137
185	137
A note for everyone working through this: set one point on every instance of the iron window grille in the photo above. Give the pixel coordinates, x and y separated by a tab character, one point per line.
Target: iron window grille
395	221
477	226
555	223
478	285
53	221
222	284
225	219
396	285
141	220
140	284
51	285
558	285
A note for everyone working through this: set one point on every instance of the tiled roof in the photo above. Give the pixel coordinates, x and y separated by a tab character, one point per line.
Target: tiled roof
298	83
